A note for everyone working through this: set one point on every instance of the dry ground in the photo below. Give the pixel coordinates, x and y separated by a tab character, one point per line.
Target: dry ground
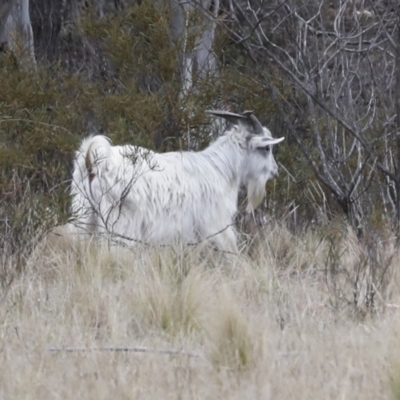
281	324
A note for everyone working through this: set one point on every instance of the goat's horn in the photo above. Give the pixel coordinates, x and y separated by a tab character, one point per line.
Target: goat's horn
229	116
255	123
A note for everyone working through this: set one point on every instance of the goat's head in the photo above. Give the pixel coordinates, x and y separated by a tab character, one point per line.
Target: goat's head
259	164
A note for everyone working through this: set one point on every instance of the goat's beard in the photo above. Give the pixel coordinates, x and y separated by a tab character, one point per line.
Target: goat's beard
255	194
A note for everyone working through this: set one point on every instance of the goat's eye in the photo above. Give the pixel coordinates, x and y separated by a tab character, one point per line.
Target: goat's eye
264	149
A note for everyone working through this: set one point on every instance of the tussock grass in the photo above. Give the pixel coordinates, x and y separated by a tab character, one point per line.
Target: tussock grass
279	323
232	344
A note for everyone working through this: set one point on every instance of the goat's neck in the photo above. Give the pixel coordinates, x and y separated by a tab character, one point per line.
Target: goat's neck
227	155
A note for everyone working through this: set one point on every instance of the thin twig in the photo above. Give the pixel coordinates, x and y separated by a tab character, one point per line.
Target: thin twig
126	349
35	122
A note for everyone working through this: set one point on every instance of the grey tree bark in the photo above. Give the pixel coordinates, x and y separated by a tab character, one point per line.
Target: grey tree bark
16	31
196	38
5	9
397	105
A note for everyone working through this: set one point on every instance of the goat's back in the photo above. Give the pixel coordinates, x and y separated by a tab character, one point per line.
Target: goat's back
137	194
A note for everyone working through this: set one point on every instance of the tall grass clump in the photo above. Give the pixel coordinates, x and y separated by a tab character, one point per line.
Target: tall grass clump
359	273
233	345
173	296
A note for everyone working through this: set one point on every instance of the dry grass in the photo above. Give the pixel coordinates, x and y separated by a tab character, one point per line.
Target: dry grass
279	325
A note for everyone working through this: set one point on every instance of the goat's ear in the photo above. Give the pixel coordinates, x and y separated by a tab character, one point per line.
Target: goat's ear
257	141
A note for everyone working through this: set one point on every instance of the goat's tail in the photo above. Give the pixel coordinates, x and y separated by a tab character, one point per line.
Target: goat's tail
95	149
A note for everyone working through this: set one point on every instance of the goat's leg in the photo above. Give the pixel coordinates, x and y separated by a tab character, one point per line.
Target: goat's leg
226	240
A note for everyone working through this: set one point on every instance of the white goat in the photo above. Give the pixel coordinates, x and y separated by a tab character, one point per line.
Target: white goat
137	195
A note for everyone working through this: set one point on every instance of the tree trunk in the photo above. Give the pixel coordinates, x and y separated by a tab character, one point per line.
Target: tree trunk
5	10
397	99
17	32
200	60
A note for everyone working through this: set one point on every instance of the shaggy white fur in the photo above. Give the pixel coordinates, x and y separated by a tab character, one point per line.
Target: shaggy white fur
137	195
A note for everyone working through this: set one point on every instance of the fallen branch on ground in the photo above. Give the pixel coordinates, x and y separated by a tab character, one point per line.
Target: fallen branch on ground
124	349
